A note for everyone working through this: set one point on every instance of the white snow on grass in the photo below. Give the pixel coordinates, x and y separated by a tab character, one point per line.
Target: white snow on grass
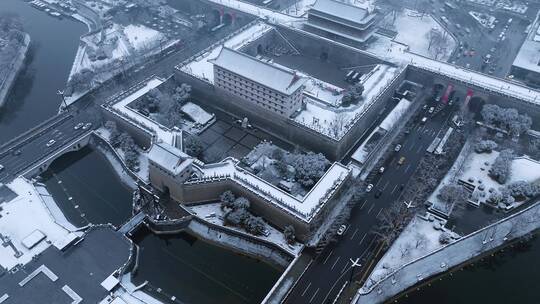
305	208
323	91
276	236
201	68
22	216
140	36
419	238
412	29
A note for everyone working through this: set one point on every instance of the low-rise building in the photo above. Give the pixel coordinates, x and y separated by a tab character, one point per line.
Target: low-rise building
168	168
264	85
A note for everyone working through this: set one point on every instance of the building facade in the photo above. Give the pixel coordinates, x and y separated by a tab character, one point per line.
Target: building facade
336	19
264	85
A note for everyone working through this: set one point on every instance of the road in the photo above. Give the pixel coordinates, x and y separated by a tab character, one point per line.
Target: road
18	155
332	268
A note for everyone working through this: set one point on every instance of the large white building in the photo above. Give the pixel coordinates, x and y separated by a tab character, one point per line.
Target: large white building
262	84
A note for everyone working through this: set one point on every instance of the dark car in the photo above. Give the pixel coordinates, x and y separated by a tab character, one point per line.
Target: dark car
378	194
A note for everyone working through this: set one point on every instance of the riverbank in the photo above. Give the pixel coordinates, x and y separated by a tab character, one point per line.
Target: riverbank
16	67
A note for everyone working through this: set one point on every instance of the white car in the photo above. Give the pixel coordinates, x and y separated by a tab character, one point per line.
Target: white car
381	170
369	187
431	110
78	126
397	148
51	142
1	167
87	126
341	229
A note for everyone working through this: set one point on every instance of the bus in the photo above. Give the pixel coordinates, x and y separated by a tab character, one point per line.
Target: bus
450	5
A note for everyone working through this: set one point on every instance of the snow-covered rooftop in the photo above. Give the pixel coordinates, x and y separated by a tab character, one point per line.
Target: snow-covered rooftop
169	157
30	224
341	10
268	75
198	114
528	57
304	208
398	111
201	67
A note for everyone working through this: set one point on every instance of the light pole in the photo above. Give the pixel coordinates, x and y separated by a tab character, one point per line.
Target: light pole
354	264
61	93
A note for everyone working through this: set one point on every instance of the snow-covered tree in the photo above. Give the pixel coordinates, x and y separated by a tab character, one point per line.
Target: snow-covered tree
485	146
289	234
236	217
227	198
507	119
500	170
453	194
309	168
241	203
193	145
254	225
353	94
445	238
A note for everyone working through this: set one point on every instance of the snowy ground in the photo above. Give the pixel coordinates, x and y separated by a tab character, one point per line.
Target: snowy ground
474	170
321	118
22	216
324	92
276	236
420	237
413	29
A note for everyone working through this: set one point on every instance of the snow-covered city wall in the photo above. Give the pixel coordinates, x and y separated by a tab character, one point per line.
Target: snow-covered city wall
241	243
454	254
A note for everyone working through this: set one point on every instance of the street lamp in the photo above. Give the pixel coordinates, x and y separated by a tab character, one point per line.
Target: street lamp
354	264
61	93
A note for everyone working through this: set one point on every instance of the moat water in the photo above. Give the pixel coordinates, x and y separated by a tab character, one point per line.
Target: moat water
51	54
510	276
195	271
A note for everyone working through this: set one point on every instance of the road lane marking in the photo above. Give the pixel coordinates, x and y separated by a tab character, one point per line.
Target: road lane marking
316	291
362	240
385	185
328	256
334	265
346	265
395	187
407	168
419	149
379	212
352	237
365	201
303	293
371	208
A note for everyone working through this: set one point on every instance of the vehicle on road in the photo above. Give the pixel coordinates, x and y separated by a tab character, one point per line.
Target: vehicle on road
431	109
424	119
381	170
378	194
369	187
401	160
341	230
51	142
397	148
424	107
87	126
1	167
16	152
78	126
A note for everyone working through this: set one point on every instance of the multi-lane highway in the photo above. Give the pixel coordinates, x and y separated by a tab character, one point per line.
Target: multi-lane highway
19	154
331	269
